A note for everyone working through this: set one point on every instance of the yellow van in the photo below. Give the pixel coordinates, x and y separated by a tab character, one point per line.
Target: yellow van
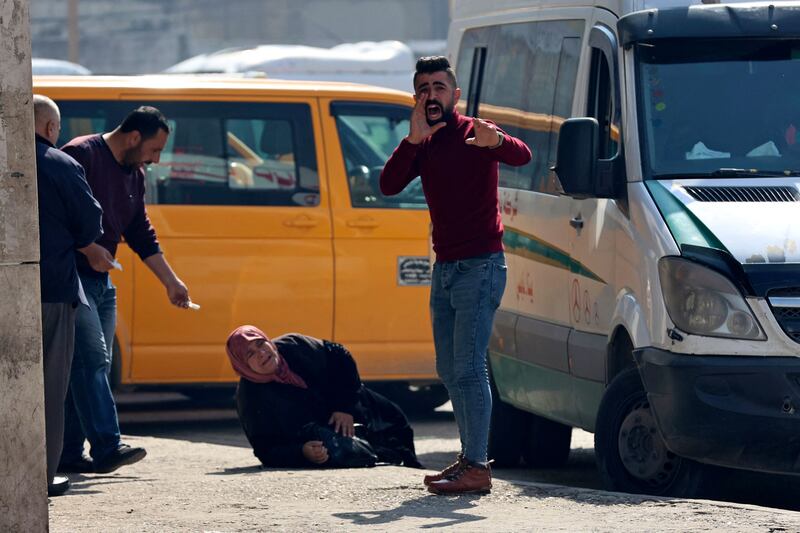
267	205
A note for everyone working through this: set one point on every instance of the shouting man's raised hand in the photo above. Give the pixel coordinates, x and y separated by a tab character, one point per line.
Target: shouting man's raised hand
419	130
485	135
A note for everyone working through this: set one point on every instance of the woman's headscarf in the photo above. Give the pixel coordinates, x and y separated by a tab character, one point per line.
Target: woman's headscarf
237	347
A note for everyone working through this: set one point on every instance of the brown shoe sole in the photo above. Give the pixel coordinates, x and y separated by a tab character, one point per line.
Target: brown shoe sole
457	492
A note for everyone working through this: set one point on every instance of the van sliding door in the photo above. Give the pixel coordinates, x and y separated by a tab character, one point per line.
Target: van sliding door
527	86
243	218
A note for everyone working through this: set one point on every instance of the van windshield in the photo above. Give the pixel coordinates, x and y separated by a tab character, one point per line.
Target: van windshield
719	107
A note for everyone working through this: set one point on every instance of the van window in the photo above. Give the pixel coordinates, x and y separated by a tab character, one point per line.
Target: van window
538	64
601	105
368	134
713	107
219	153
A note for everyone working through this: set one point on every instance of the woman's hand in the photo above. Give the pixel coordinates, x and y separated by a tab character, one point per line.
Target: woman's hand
315	452
342	423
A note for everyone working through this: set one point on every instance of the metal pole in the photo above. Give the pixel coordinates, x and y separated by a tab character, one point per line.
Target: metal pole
73	33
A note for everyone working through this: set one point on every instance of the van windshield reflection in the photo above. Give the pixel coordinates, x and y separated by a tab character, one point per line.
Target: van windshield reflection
719	108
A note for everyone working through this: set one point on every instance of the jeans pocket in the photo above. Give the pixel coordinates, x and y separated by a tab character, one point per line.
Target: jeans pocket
470	265
499	274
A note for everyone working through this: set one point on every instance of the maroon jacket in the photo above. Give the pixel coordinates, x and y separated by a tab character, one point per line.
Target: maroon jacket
460	183
120	191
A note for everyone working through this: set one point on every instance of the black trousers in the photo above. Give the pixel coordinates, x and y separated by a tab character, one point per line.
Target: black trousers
58	341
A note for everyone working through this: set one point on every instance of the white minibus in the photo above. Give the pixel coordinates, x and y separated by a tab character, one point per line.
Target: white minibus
653	242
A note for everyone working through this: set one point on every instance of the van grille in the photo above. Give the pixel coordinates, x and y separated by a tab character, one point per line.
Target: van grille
787	317
744	194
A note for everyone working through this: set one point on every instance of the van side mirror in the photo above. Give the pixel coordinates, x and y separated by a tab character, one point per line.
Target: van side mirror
576	159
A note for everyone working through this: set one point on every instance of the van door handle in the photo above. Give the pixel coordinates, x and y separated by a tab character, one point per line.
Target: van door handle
576	222
363	223
300	222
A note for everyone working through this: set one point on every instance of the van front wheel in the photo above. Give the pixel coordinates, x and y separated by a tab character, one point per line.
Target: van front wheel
630	453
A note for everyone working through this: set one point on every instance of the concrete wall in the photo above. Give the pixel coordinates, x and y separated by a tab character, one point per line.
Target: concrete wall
129	37
23	495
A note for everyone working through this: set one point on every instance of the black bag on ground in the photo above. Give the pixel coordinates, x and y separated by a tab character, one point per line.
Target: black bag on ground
343	452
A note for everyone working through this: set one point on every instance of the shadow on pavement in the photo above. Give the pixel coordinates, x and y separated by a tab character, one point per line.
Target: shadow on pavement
81	484
755	488
447	509
580	470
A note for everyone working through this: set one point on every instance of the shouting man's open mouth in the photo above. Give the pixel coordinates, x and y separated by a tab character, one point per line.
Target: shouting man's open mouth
434	112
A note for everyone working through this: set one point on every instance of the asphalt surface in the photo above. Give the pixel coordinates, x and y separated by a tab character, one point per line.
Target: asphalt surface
174	416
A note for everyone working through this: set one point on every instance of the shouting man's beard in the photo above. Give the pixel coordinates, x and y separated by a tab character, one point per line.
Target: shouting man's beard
435	112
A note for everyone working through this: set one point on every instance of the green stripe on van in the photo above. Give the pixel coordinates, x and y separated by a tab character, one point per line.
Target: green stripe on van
685	227
545	391
530	247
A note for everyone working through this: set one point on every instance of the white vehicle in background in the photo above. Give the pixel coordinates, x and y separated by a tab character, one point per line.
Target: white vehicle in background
654	277
385	64
55	67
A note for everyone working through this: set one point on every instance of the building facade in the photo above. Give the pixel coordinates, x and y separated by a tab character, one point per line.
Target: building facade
145	36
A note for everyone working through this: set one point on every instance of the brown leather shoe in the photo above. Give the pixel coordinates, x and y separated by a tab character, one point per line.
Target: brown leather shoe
471	479
449	471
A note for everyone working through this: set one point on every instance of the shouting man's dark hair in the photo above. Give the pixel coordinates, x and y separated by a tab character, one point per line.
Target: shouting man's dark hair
431	64
146	120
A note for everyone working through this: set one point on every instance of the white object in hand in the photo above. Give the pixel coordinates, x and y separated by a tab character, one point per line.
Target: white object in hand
116	265
194	306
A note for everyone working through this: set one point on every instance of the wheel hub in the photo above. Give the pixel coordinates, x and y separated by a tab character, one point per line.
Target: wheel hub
641	449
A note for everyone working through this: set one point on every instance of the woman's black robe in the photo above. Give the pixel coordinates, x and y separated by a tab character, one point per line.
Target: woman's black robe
273	414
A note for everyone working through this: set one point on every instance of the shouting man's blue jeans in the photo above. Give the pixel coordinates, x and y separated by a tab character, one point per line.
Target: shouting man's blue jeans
90	409
464	297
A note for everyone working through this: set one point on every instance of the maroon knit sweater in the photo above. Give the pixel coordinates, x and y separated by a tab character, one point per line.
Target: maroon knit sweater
120	191
460	184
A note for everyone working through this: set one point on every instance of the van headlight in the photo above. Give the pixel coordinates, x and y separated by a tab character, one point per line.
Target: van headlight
703	302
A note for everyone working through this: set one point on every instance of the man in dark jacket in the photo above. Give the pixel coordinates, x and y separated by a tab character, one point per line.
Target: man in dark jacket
69	219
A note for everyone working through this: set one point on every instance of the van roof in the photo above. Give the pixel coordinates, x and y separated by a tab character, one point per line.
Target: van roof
463	9
200	84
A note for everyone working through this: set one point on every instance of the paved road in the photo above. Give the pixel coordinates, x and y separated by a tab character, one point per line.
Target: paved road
173	416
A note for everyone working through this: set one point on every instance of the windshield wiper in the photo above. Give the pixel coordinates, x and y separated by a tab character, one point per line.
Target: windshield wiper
730	173
750	172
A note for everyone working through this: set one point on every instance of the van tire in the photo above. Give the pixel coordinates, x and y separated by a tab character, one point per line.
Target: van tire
625	418
548	443
507	429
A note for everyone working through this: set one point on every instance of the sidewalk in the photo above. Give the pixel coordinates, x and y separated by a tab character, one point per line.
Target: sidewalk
199	486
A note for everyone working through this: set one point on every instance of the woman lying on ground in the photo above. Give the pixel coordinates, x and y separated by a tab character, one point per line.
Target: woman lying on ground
301	403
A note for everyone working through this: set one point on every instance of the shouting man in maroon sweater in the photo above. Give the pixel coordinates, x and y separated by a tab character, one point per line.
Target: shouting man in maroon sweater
458	159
